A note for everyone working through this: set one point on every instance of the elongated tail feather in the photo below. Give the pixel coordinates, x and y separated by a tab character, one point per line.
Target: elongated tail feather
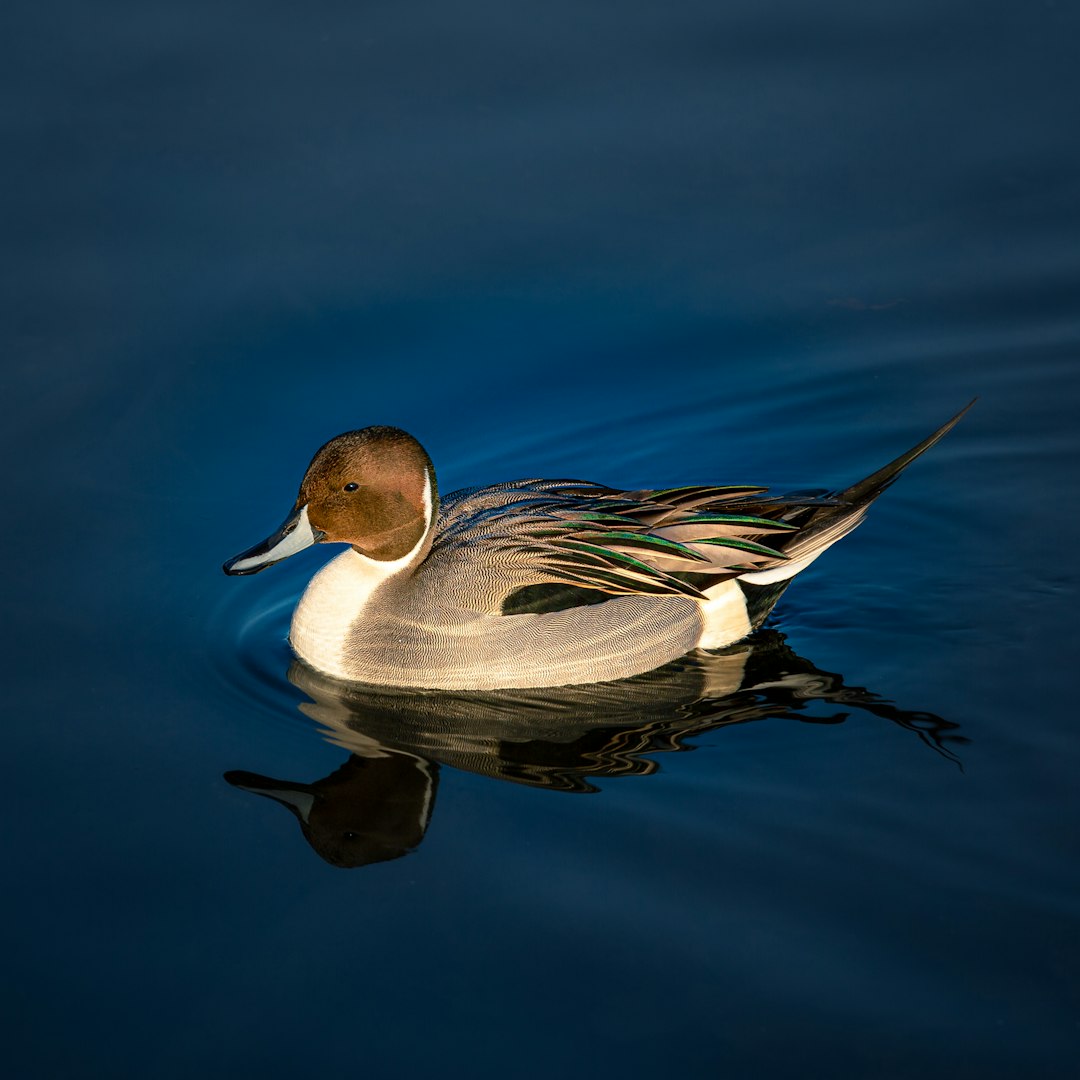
824	526
869	489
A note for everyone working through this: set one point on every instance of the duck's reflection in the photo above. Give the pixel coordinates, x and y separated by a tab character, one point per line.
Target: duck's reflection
372	809
378	804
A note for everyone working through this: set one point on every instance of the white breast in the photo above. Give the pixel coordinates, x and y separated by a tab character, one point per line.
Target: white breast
336	598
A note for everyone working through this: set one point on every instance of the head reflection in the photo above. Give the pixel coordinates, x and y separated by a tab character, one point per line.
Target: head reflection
377	805
372	809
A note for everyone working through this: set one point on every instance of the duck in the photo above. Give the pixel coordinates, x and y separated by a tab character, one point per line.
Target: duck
537	583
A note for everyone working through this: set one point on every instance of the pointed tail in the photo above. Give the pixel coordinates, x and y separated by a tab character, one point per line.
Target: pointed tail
865	491
823	526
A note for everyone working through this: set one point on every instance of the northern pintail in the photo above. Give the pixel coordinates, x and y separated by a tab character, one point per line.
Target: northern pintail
536	582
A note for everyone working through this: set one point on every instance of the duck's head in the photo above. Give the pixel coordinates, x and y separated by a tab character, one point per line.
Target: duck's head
373	489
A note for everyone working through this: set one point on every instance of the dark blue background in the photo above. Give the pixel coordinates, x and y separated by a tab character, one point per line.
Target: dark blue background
642	243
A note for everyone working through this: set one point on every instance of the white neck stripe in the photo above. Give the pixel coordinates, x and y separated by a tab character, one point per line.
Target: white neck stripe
337	595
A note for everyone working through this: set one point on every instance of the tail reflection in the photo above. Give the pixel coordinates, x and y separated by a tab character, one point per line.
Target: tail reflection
377	805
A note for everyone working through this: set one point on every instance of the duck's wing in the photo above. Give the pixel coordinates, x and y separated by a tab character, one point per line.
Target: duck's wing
672	541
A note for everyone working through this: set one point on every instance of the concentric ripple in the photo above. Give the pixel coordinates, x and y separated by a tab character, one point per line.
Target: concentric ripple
247	636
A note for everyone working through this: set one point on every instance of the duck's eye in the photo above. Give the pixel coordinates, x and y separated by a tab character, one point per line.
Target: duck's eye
351	487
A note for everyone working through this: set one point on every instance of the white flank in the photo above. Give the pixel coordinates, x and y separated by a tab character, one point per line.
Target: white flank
782	572
336	597
836	531
725	615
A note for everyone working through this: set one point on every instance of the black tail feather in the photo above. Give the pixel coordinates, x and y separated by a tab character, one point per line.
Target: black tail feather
867	490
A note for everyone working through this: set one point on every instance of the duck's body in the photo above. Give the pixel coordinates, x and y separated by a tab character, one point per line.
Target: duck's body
536	582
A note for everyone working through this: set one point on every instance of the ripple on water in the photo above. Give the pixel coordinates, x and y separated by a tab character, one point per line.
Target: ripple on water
248	641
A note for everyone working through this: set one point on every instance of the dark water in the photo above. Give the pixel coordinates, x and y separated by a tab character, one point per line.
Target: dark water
643	244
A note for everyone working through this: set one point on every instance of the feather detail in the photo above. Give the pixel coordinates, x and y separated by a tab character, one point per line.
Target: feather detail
616	541
646	543
762	524
692	495
745	545
666	541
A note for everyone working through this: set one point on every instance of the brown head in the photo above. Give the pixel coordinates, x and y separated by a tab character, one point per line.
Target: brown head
373	489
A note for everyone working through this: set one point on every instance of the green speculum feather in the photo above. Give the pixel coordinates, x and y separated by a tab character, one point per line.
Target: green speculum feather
646	541
604	519
607	553
734	519
744	545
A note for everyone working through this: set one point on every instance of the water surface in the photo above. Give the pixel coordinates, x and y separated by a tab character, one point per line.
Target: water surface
737	243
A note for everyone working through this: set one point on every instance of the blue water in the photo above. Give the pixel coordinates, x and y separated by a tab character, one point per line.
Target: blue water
640	244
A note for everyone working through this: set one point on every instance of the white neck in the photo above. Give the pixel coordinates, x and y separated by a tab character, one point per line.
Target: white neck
337	595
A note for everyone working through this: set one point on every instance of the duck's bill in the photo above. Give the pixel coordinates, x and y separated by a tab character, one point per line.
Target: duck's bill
298	798
294	535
